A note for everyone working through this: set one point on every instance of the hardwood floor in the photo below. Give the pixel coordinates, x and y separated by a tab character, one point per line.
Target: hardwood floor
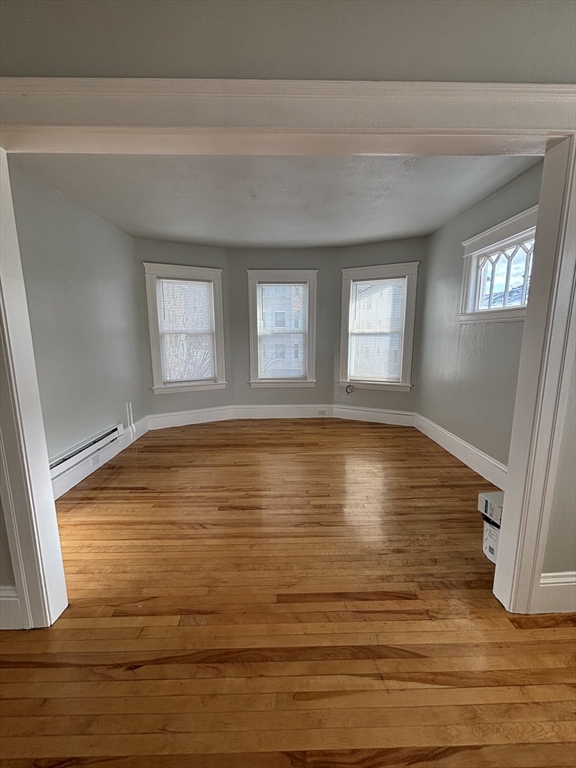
285	594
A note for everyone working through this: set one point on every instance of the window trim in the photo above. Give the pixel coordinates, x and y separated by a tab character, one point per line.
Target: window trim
288	276
409	270
154	271
507	233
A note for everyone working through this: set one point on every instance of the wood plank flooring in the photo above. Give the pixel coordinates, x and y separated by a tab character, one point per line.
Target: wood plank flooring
285	594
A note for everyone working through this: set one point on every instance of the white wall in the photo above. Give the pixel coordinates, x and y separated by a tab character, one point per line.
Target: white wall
81	284
528	41
469	373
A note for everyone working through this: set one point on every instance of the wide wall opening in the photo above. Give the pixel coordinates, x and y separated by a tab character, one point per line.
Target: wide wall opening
383	289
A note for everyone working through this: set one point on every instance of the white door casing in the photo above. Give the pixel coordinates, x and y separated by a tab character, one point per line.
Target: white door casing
546	364
25	483
307	118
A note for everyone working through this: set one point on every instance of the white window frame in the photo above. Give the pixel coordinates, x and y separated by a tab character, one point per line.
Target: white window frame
504	235
198	274
289	276
409	270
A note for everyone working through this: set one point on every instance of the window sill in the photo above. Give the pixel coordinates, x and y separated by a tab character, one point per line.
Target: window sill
282	383
171	389
494	316
396	387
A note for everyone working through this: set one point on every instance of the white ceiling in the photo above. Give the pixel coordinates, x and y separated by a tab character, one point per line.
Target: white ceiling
274	201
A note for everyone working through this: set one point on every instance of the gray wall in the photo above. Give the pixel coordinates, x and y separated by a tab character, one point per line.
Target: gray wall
469	372
449	40
236	262
81	283
560	552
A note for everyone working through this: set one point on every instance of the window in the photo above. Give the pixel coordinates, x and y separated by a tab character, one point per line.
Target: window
282	327
497	270
186	333
378	306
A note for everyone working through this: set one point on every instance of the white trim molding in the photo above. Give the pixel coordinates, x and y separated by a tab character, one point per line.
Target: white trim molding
235	117
25	484
311	411
227	412
11	614
556	593
407	270
494	316
477	460
390	385
544	379
307	411
375	415
121	115
307	277
183	418
510	229
213	277
283	383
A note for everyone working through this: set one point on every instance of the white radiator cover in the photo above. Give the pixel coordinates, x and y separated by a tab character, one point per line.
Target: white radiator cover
84	450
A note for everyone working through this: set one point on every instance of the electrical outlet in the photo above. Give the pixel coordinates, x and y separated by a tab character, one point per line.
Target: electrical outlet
95	460
322	412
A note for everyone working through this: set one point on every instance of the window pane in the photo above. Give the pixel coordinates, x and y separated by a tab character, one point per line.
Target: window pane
529	246
187	356
503	277
485	281
282	325
500	271
377	305
186	320
376	329
275	360
517	272
185	305
375	357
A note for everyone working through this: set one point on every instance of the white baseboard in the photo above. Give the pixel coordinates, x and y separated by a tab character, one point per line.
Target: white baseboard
308	411
480	462
312	411
377	415
10	614
204	415
556	593
72	476
183	418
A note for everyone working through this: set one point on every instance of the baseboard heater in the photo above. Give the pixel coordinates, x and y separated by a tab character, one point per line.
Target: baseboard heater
84	450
